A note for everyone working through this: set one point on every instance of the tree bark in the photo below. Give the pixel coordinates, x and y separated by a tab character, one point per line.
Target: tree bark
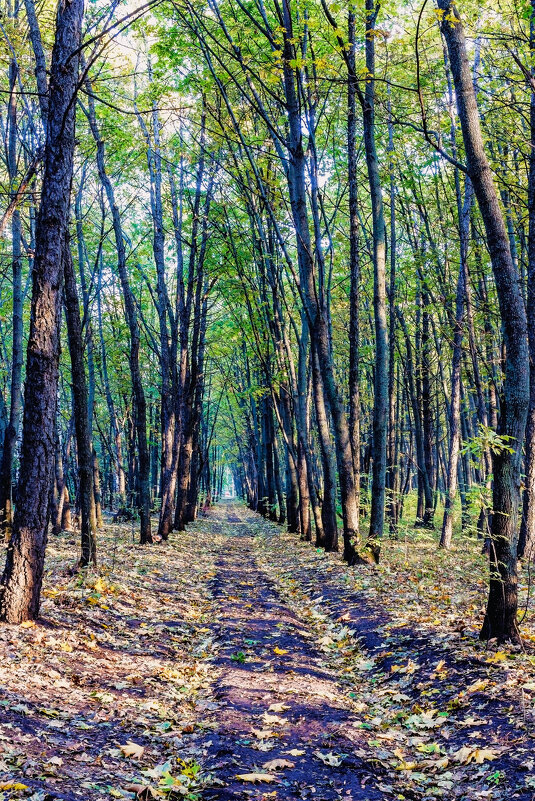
500	619
23	572
81	416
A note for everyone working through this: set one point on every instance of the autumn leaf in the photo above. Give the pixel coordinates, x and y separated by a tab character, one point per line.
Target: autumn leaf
330	759
279	651
274	720
468	754
133	750
499	656
278	764
11	785
256	777
278	707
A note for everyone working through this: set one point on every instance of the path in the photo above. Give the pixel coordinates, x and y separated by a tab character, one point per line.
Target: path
238	663
281	704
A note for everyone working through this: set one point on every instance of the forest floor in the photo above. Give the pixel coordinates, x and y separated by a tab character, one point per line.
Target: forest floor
236	662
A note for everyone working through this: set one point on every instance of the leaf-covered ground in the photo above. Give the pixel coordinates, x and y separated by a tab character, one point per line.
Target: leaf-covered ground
237	662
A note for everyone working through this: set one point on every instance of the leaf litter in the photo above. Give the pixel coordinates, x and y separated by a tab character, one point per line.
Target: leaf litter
237	662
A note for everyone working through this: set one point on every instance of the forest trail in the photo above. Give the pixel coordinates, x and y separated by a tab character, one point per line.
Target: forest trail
281	703
239	663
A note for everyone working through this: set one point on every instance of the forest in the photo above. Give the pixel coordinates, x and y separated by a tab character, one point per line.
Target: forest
267	400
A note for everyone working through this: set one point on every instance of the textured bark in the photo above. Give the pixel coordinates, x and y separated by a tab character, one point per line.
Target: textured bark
81	416
455	403
22	578
12	429
526	542
313	296
329	527
354	255
380	403
500	619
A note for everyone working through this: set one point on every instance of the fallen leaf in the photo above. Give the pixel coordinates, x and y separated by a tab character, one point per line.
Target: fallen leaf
279	651
133	750
330	759
295	752
278	764
465	755
278	707
274	719
499	656
13	786
256	777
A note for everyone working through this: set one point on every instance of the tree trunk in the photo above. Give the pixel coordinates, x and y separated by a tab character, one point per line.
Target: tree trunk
500	619
380	404
80	408
526	543
23	572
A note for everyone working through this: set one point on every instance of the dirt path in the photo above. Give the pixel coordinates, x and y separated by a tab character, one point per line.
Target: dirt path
238	663
283	712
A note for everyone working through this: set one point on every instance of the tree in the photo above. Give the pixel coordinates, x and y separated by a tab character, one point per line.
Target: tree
23	572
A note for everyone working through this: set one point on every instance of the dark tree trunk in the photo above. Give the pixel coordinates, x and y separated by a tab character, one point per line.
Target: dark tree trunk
12	429
80	408
526	542
23	573
500	619
380	404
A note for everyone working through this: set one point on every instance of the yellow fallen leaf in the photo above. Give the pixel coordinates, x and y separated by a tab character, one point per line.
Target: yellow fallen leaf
264	734
295	752
480	684
463	754
279	651
478	755
256	777
278	707
13	786
481	755
274	720
66	646
28	624
99	585
499	656
278	764
133	750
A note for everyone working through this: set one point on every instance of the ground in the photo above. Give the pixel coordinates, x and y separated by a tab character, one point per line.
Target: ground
237	662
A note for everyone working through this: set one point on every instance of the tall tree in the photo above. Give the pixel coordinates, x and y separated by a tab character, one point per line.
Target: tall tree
23	572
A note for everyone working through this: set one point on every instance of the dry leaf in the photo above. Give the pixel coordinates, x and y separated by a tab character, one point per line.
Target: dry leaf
256	777
295	752
278	707
133	750
279	651
274	719
329	759
278	764
466	754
